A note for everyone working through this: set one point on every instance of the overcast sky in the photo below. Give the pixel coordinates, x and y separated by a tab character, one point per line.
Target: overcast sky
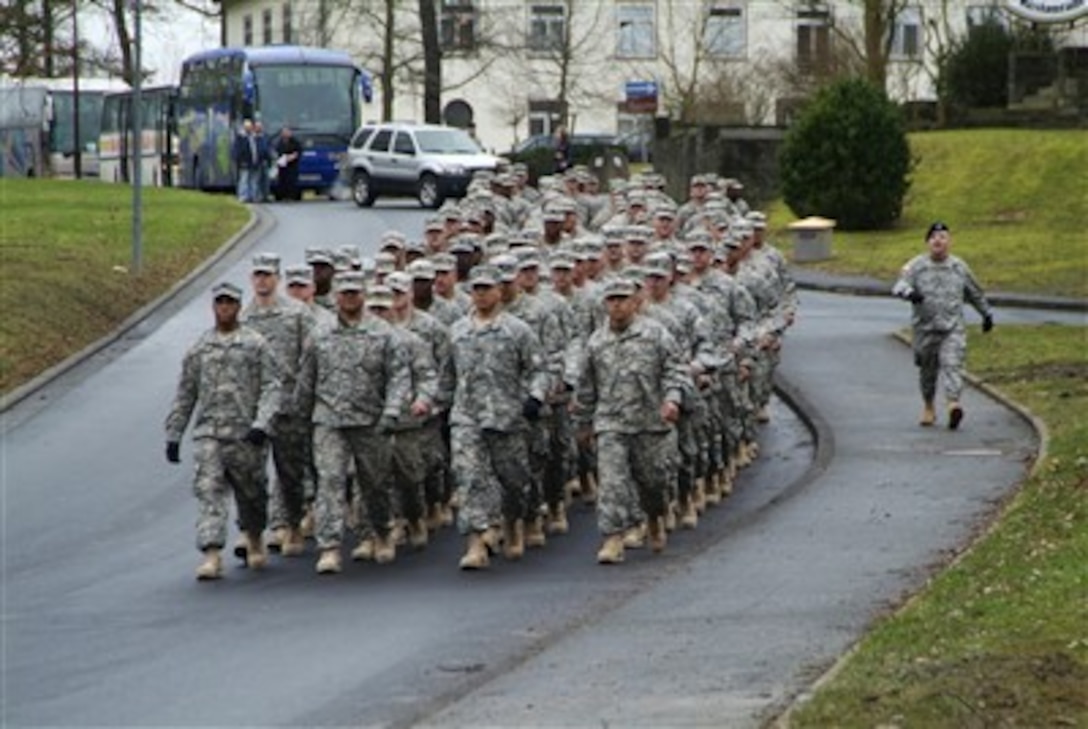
167	39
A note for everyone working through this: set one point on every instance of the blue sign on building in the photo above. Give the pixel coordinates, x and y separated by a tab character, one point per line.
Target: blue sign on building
640	90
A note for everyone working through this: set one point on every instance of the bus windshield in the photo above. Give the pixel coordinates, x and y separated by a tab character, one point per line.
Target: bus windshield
309	99
446	141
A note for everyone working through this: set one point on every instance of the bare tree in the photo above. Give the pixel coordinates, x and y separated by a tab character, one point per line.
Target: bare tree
35	38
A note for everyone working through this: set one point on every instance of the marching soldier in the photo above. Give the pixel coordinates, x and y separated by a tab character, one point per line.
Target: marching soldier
232	375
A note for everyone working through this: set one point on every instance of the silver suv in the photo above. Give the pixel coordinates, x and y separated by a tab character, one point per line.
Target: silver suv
426	161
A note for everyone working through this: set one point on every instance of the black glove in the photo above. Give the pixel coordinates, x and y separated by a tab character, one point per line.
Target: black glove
531	408
386	425
256	437
916	297
173	451
987	323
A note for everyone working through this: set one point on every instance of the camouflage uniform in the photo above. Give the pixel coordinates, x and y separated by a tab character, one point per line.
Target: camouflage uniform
352	381
627	378
940	340
286	325
494	367
235	379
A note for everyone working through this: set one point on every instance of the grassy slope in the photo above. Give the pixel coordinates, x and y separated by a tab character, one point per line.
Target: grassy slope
1016	200
1001	638
64	251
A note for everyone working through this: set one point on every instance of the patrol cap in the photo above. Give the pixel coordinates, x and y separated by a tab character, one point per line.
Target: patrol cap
698	180
564	205
519	168
757	218
266	263
379	297
634	274
638	234
561	260
318	255
684	263
451	214
592	249
619	287
392	239
741	228
421	270
464	244
496	241
527	258
732	183
730	241
506	266
484	275
302	275
225	289
699	239
385	262
937	227
554	216
433	224
521	239
444	262
399	281
658	264
665	211
349	281
415	246
351	254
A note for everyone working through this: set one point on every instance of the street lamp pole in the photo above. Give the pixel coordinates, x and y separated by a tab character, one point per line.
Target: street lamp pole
77	159
137	136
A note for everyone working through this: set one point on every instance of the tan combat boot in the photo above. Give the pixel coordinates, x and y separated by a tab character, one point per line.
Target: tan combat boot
329	562
689	517
725	478
698	495
492	539
713	490
670	515
513	539
611	552
276	538
293	544
306	526
447	515
589	489
658	535
364	550
573	487
929	415
212	566
257	557
635	537
557	519
753	451
385	549
476	553
241	547
764	415
955	414
397	533
434	517
418	534
534	533
742	459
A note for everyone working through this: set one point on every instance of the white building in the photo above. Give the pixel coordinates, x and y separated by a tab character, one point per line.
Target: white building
508	64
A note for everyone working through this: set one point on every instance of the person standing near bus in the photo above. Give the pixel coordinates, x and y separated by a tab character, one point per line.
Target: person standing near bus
247	159
288	152
264	161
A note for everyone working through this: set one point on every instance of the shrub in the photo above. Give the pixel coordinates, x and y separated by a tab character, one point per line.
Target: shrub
847	157
976	74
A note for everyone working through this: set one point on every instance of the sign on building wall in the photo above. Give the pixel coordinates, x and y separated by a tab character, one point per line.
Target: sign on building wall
640	97
1048	11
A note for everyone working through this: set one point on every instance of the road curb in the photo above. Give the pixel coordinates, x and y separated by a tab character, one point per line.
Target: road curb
1014	301
30	388
783	720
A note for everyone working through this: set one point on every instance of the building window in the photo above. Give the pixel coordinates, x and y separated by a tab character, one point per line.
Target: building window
266	26
457	25
814	40
907	35
978	15
247	30
726	34
288	31
635	36
544	116
547	27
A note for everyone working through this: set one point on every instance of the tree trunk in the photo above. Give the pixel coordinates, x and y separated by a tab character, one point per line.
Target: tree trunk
389	28
432	63
124	40
47	38
876	67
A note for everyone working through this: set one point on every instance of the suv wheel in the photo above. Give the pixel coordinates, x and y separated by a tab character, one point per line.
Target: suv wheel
361	191
428	193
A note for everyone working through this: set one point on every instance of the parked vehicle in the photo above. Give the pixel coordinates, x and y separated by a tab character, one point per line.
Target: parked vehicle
427	161
639	144
538	152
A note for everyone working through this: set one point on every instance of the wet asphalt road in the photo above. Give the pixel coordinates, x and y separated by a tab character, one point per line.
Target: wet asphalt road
103	624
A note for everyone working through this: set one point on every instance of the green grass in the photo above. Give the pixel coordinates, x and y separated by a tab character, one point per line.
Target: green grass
65	248
1016	201
1001	638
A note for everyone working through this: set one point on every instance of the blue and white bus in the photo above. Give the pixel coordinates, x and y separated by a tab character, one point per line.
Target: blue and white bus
315	91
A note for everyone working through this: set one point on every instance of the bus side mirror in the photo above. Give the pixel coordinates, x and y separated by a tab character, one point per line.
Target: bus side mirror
366	87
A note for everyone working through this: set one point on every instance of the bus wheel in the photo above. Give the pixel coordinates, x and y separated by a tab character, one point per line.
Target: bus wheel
429	196
361	192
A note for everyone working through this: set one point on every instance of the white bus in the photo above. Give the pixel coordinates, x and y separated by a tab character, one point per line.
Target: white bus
158	137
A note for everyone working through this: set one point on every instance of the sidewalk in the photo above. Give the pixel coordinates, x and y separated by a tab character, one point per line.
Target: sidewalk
808	278
736	633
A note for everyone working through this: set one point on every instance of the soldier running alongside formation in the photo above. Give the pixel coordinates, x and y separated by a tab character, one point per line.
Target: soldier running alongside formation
536	348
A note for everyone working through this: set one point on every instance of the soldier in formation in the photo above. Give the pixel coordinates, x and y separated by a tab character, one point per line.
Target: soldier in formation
530	349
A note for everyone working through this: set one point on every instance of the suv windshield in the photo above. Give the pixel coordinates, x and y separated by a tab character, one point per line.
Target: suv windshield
446	141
